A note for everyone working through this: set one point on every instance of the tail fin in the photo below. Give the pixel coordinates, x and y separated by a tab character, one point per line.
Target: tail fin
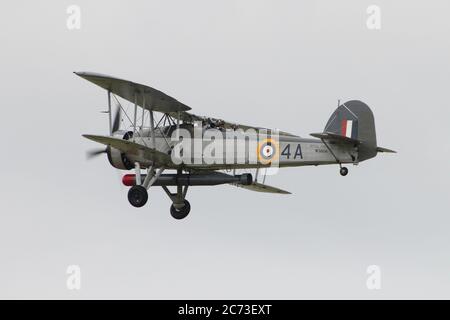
354	120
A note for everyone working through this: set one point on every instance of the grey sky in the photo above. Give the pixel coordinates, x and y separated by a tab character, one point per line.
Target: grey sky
279	64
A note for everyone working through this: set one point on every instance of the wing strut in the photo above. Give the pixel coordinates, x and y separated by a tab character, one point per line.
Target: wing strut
152	128
135	117
109	114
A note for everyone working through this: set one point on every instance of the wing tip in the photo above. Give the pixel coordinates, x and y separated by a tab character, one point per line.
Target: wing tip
92	137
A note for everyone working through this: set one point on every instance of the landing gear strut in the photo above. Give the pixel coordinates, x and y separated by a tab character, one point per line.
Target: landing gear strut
137	196
343	171
180	207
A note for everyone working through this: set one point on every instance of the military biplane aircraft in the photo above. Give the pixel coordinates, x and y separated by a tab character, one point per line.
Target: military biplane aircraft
148	145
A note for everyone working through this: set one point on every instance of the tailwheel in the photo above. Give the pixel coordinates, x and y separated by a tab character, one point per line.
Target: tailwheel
343	171
182	212
137	196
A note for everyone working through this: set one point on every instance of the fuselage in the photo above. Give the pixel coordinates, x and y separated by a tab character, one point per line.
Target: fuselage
237	150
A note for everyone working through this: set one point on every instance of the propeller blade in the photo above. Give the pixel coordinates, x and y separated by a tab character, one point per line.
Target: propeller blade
116	121
93	153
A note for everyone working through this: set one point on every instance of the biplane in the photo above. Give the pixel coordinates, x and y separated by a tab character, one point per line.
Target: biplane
159	144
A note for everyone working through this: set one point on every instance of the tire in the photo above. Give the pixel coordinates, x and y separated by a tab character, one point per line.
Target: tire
137	196
180	213
343	171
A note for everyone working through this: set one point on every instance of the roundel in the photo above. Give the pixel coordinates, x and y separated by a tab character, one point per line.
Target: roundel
268	151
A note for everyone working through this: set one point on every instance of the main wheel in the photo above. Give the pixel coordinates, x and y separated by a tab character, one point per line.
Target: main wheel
137	196
182	212
343	171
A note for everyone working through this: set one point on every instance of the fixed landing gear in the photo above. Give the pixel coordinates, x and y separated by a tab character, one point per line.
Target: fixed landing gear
180	207
343	171
137	196
182	212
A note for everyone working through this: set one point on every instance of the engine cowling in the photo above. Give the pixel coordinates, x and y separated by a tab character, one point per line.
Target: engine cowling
117	158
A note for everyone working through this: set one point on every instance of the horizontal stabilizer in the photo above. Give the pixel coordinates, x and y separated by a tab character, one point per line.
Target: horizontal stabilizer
127	146
380	149
335	137
259	187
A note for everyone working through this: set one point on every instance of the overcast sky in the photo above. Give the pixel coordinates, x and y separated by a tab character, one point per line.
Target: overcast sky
279	64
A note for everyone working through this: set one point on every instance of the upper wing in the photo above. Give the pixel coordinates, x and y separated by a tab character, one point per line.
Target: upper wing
154	99
190	118
131	147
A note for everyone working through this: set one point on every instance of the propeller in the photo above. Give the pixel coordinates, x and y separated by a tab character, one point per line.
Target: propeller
115	126
117	117
94	153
